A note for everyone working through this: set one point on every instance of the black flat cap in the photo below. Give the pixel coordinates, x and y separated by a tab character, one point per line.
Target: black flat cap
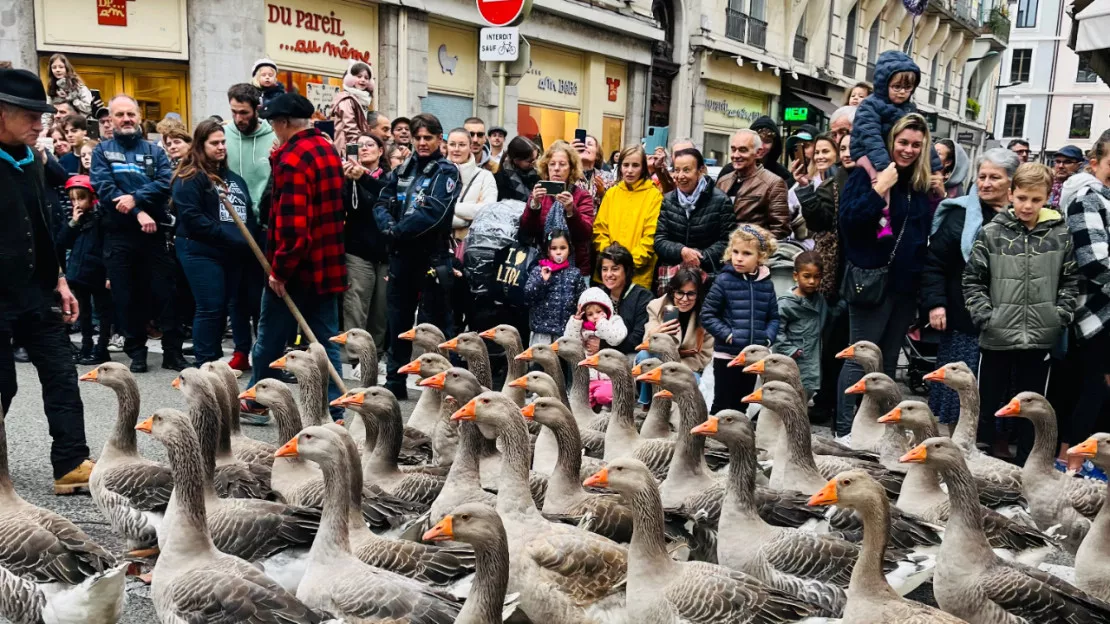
22	88
288	105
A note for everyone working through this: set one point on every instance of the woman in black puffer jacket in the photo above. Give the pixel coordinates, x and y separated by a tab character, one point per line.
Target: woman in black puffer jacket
695	220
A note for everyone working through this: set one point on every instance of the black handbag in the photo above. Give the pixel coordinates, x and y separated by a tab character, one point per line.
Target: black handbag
867	287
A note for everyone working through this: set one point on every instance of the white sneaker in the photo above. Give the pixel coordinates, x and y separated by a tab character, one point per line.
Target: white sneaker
115	344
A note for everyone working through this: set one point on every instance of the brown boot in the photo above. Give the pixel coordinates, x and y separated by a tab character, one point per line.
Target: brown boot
75	480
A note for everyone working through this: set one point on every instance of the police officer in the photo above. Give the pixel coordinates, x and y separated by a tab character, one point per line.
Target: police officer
31	280
132	179
414	212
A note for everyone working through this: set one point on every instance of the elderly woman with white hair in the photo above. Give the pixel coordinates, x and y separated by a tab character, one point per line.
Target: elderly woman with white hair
955	224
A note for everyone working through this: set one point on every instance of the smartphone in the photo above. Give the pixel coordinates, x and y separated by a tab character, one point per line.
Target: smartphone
92	128
800	154
552	187
670	313
580	135
352	150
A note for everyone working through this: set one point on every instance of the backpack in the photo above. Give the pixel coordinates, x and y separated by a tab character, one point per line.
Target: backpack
494	229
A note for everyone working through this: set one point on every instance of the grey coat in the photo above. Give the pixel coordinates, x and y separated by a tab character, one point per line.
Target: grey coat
1021	286
802	320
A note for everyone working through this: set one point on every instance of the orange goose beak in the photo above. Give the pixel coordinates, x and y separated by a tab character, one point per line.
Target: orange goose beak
348	399
146	426
528	411
598	479
916	455
248	394
1088	448
848	353
176	383
937	375
436	381
90	376
643	346
755	397
450	345
340	339
467	412
289	449
441	532
707	428
519	382
591	361
893	416
663	394
739	360
857	388
409	335
651	377
554	347
825	496
526	355
279	363
489	334
412	368
758	368
637	370
1013	408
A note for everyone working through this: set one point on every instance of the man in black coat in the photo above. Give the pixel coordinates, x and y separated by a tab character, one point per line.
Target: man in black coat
35	301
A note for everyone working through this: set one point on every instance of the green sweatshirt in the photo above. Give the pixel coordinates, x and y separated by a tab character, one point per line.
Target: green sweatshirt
249	156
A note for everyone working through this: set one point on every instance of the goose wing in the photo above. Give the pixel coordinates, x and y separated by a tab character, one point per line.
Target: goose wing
252	530
251	451
593	442
219	596
997	471
21	601
605	515
656	455
1039	596
1085	496
584	566
831	465
813	556
827	446
712	594
130	522
237	481
1002	532
437	565
145	485
783	508
383	510
383	597
906	530
45	547
994	494
418	487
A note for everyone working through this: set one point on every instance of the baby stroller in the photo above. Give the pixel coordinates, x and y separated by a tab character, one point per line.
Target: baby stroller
920	350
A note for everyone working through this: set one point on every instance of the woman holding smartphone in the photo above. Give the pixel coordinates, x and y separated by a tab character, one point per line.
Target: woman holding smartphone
559	170
367	252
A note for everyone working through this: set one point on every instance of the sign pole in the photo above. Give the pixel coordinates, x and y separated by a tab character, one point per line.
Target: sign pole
502	74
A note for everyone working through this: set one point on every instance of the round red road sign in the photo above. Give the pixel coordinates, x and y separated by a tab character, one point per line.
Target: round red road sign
500	12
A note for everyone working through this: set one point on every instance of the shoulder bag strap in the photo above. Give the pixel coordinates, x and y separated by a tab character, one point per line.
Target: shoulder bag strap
909	199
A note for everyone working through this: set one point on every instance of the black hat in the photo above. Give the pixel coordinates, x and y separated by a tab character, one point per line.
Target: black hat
288	105
21	88
101	112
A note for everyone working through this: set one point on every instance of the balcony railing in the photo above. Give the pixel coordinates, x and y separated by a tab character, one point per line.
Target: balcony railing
870	76
997	25
850	66
736	25
757	33
800	45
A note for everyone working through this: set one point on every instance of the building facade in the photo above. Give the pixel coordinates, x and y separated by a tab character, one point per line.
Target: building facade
1056	98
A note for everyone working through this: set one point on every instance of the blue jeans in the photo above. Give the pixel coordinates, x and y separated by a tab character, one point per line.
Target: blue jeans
276	324
216	283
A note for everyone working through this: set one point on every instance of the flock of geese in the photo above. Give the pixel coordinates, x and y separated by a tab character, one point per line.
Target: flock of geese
486	506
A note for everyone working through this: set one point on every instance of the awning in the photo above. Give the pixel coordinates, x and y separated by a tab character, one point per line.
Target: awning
822	104
1093	27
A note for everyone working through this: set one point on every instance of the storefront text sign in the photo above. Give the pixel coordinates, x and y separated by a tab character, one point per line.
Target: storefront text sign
729	109
320	36
499	44
111	12
616	86
722	106
554	79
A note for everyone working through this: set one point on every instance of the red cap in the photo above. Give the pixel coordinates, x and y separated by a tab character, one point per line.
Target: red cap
80	181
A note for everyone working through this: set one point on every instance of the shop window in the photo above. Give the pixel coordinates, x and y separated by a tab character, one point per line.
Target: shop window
1019	65
1013	124
159	88
1085	73
716	148
451	110
544	126
319	89
612	136
1081	121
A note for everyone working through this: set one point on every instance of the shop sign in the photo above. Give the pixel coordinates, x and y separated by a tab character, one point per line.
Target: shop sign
320	36
796	113
724	108
111	12
452	61
616	87
965	137
554	78
321	96
732	109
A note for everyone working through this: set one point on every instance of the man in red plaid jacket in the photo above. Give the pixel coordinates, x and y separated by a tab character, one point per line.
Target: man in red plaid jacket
305	240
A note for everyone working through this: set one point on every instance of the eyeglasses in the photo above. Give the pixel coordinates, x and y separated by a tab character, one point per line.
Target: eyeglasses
1064	163
477	134
685	294
902	88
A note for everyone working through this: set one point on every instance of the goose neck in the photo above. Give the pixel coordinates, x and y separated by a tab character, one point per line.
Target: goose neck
568	467
390	436
741	482
1043	454
648	545
205	418
798	442
516	368
334	532
478	364
189	486
965	518
368	365
555	370
513	492
127	395
867	575
967	426
491	579
465	467
314	398
689	448
7	489
288	418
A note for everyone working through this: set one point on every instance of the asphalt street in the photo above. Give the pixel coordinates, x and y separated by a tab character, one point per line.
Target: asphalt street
29	451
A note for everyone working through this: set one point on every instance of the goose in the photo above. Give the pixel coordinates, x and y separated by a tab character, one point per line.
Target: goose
974	583
767	430
881	394
546	452
426	336
336	580
131	491
870	597
361	345
51	570
662	346
232	477
621	438
1054	498
479	525
571	350
445	437
1092	575
472	349
425	416
257	455
548	360
604	514
661	590
300	483
508	338
272	534
563	574
380	465
309	369
192	577
923	496
778	367
865	433
799	471
958	376
657	421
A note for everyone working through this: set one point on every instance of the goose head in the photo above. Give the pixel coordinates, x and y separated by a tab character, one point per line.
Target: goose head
570	349
955	375
461	384
469	345
321	444
356	339
875	384
541	354
504	335
939	452
537	382
472	523
376	402
111	374
608	361
625	475
673	376
776	367
866	354
646	366
913	415
778	396
493	412
166	425
301	364
854	489
1096	448
428	364
548	411
730	427
198	387
1029	405
660	344
425	335
750	355
269	392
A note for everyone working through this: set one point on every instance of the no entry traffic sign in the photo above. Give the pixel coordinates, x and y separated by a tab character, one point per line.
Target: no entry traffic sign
502	12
